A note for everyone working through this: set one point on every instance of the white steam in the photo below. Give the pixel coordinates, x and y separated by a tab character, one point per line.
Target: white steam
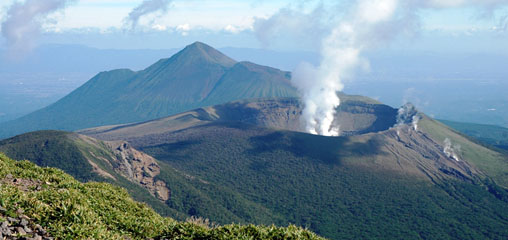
407	115
450	151
24	21
366	24
145	8
415	121
340	54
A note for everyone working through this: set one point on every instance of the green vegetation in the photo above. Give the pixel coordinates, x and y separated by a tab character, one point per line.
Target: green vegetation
231	172
69	209
317	182
189	196
51	148
488	134
71	153
371	186
337	187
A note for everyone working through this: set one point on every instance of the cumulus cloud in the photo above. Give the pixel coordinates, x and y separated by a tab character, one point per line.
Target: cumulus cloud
487	6
235	29
294	23
145	8
24	20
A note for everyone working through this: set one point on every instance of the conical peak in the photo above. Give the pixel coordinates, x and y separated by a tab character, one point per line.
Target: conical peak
204	51
199	45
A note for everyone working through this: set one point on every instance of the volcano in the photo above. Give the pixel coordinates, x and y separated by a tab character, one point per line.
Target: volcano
196	76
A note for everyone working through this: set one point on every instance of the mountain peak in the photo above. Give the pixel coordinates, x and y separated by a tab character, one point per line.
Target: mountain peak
199	50
199	44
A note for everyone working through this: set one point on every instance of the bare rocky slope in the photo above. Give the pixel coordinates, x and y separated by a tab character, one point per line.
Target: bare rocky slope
90	159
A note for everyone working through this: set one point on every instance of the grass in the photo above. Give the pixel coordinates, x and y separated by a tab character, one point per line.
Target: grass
489	134
489	161
69	209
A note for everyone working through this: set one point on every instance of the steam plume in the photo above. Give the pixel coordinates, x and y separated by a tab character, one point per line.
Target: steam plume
366	24
340	57
449	150
23	23
415	121
145	8
407	114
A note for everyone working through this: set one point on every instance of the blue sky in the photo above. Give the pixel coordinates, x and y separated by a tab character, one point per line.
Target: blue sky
100	23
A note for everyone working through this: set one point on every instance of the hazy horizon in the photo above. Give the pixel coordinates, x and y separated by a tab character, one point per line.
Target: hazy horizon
405	50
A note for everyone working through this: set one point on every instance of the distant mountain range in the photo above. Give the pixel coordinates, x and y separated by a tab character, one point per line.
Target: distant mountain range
470	86
194	77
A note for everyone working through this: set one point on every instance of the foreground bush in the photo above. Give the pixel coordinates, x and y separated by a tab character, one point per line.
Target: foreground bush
68	209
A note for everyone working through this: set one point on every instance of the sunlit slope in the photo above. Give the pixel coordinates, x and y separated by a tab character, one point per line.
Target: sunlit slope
492	163
195	77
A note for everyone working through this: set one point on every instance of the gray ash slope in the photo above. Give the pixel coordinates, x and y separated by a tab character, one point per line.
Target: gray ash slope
356	115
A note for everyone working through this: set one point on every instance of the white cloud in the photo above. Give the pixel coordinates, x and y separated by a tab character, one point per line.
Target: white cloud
24	20
232	29
183	28
376	10
159	27
290	22
147	7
